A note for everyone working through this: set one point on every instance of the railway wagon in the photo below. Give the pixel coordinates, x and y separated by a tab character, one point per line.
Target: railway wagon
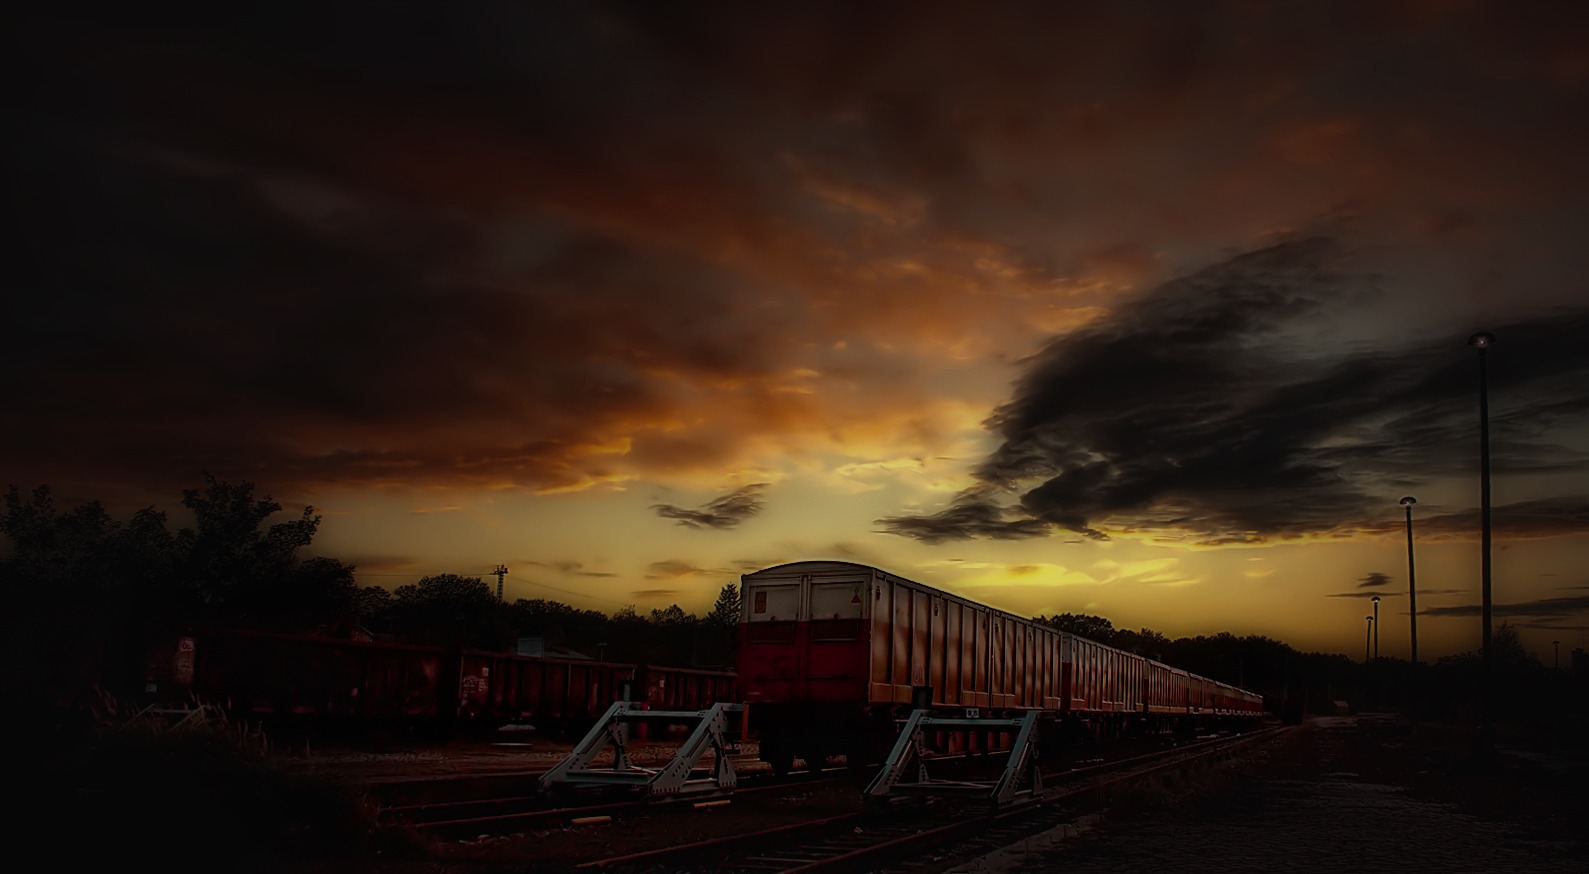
259	675
342	683
571	693
831	653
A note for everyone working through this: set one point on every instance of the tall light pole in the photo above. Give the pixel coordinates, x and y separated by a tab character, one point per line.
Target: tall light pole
1412	587
1368	638
1375	625
1557	645
1483	341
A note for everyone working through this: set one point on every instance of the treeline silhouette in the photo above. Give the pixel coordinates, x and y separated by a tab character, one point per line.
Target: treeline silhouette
89	595
1312	682
454	610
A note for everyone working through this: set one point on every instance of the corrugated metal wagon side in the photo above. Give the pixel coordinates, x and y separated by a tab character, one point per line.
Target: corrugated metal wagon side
833	654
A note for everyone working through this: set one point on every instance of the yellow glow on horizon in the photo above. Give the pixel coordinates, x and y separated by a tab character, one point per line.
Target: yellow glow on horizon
1036	574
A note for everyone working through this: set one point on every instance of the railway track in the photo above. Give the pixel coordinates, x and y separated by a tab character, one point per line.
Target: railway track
918	838
531	809
522	812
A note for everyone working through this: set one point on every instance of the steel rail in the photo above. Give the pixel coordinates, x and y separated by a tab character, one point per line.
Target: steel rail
830	849
617	808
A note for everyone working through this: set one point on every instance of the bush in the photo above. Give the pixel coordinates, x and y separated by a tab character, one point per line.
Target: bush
207	791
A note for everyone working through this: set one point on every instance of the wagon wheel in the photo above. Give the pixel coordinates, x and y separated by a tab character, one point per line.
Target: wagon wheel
782	761
815	759
856	757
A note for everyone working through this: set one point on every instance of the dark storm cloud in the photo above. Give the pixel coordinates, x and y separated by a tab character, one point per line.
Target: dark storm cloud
674	568
1544	607
1197	411
257	246
492	244
1545	517
970	516
722	513
1373	579
574	568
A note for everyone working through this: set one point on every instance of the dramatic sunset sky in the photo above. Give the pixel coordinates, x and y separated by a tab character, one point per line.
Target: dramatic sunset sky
1152	310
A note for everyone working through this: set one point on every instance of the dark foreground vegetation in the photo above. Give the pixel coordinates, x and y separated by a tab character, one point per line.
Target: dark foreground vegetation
89	596
211	794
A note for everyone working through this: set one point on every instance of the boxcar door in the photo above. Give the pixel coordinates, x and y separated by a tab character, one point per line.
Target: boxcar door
837	657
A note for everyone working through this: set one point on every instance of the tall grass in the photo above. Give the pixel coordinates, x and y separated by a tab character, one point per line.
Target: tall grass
209	789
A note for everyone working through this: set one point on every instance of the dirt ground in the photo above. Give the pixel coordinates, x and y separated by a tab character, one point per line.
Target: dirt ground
1335	797
1534	792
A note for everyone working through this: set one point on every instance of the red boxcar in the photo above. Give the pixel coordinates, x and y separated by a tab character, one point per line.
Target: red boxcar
274	676
258	675
832	652
574	692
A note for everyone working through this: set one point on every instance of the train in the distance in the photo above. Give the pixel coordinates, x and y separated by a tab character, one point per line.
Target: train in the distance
322	684
832	654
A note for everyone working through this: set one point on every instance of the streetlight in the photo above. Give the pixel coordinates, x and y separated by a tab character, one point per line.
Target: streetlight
1375	599
1368	636
1412	588
1483	341
1557	645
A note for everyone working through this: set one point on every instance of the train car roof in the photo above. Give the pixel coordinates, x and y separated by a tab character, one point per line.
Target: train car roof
960	598
840	564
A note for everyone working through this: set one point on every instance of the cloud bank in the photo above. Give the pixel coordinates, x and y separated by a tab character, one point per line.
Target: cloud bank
1202	412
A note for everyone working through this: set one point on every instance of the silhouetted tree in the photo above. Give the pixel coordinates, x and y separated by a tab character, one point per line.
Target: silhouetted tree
1145	642
452	610
373	608
92	595
250	576
673	614
725	610
1094	628
721	628
580	630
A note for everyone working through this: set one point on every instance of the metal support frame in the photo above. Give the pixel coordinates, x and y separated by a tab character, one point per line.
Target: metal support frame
1021	766
677	777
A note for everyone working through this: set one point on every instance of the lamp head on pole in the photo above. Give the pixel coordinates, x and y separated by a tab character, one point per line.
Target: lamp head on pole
1408	501
1375	599
1482	339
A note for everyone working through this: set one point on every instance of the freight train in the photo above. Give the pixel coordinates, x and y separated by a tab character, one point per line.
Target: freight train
833	654
327	683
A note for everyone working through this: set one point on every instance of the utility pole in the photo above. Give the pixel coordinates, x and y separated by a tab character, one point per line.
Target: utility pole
1483	341
501	571
1412	587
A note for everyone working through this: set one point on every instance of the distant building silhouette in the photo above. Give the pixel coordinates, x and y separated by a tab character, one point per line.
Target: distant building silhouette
538	647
